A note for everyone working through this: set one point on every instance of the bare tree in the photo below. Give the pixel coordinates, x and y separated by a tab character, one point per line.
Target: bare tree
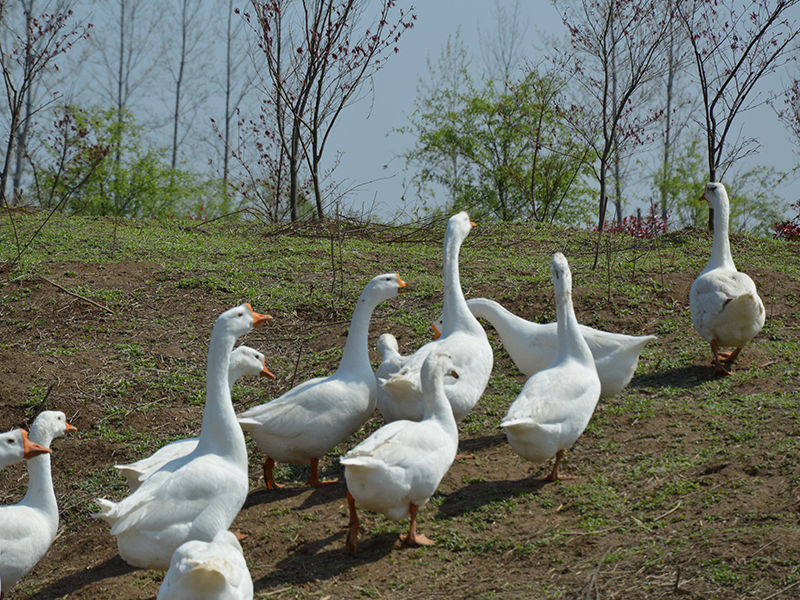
317	64
25	57
129	62
733	52
181	55
502	51
615	55
236	81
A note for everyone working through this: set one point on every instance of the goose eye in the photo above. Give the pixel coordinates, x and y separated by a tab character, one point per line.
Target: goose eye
12	441
241	314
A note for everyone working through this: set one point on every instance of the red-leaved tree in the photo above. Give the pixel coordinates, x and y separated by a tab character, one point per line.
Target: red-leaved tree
318	54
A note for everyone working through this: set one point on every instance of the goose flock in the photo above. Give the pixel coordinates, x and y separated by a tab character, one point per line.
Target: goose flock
184	498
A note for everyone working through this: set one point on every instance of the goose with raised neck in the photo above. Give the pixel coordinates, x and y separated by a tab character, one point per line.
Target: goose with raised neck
463	338
532	346
306	422
556	404
28	528
244	361
726	308
398	468
195	496
16	446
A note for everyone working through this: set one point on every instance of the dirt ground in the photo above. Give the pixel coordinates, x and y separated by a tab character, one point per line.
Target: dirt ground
62	352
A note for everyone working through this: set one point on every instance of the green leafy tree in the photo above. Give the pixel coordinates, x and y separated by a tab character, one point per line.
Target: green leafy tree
500	154
141	184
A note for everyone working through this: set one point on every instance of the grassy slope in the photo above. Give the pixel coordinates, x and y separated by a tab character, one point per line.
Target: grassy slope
658	487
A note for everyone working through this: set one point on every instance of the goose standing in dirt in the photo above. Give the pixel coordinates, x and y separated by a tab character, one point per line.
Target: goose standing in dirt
305	423
726	308
244	361
15	446
397	469
28	528
196	496
463	338
555	405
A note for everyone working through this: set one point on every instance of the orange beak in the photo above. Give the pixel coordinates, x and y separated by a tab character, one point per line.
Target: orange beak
265	373
258	319
436	334
70	428
402	286
31	449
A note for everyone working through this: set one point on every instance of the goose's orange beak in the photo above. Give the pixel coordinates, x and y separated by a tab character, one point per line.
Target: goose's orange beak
258	319
402	286
69	427
31	449
436	334
266	373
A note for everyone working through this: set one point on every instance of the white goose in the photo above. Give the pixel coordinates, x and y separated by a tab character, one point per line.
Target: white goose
726	308
305	423
214	570
198	495
463	338
244	361
16	447
28	528
391	362
555	405
397	469
532	346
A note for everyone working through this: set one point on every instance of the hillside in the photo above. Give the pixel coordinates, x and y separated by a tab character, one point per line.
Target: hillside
684	485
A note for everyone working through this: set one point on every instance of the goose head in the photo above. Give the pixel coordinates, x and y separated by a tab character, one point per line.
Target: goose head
386	286
716	196
247	361
387	345
49	425
459	225
561	275
241	319
434	369
16	444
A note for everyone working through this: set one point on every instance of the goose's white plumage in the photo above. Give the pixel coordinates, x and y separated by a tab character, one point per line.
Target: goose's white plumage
532	346
391	362
214	570
305	423
726	308
555	405
15	446
463	338
198	495
28	528
398	468
245	361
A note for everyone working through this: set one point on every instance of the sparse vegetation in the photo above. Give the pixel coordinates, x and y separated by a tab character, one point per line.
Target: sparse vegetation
682	481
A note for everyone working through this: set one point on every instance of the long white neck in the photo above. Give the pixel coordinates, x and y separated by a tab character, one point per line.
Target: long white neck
356	349
456	312
40	492
437	406
504	322
721	247
220	432
570	340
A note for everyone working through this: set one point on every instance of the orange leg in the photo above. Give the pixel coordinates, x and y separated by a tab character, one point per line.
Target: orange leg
719	368
315	481
413	538
352	531
269	479
554	473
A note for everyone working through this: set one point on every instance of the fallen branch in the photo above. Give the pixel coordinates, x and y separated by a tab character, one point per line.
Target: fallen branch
71	293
